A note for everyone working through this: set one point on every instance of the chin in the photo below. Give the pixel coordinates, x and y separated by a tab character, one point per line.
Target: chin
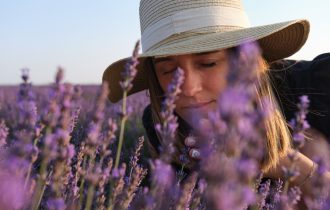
193	118
193	115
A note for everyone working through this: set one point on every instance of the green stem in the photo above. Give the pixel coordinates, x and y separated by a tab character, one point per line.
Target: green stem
81	187
28	175
110	207
286	187
30	167
41	185
101	161
122	128
91	187
41	194
110	202
90	196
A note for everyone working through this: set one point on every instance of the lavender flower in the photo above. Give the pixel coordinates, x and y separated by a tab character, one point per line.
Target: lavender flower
289	200
3	133
163	174
198	197
130	71
263	191
94	127
128	75
275	195
107	140
104	178
57	148
163	187
169	125
117	178
64	150
132	187
236	147
56	204
231	141
26	103
186	192
12	194
320	192
299	123
72	188
294	195
136	156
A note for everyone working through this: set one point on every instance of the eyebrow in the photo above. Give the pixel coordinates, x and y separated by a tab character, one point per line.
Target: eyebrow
206	53
163	59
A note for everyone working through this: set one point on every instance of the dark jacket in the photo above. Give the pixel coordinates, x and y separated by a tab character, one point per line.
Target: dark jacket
312	78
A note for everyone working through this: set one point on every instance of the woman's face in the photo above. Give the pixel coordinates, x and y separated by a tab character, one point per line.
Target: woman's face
205	78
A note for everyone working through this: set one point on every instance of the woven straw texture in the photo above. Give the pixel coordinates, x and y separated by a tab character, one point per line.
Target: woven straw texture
152	11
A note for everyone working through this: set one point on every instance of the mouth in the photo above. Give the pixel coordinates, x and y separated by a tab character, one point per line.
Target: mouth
198	105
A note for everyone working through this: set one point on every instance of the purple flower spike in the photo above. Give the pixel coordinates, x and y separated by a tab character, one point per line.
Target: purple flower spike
294	195
169	125
56	204
130	70
25	75
263	191
163	174
12	193
26	104
3	133
299	123
304	100
244	68
234	101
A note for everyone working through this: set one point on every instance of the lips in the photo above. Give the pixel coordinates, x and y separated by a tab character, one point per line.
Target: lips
197	105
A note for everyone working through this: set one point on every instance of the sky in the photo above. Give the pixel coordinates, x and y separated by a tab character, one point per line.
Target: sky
84	37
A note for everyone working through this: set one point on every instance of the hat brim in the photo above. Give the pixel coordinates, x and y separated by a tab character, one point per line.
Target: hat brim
277	41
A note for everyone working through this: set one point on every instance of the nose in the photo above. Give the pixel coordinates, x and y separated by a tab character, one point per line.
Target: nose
192	83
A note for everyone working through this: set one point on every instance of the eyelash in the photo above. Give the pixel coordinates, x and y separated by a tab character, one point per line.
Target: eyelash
203	65
168	72
208	65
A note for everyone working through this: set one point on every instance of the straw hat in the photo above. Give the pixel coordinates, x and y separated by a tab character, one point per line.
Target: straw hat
173	27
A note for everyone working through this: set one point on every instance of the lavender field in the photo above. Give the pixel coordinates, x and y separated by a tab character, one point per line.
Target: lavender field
67	147
22	109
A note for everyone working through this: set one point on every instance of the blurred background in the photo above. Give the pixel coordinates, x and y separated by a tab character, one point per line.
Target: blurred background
84	37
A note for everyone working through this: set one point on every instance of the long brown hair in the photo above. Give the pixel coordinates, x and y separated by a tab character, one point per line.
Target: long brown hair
278	140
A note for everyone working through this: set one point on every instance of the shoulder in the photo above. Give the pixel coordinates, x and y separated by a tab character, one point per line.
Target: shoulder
294	78
319	63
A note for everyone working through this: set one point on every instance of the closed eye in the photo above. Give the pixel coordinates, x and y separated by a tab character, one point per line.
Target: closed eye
169	71
208	65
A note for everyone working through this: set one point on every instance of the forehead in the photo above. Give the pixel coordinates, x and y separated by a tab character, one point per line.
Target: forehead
167	58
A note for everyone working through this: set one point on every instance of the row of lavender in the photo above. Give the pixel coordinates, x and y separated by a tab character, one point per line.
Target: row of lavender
56	144
61	149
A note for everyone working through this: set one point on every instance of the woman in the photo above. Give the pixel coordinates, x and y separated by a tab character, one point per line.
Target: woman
199	37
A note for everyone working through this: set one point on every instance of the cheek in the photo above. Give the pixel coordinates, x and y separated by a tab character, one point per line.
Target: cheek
163	82
216	85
